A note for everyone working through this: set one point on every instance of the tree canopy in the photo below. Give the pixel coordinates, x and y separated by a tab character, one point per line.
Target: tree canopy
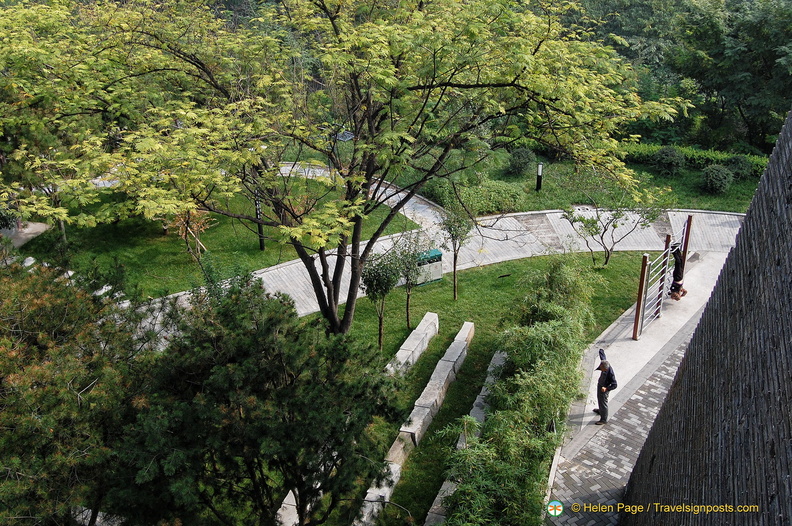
183	110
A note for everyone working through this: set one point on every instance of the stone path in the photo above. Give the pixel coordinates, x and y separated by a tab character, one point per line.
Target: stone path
595	473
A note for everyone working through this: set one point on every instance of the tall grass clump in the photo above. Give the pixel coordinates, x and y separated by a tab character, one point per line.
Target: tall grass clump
501	474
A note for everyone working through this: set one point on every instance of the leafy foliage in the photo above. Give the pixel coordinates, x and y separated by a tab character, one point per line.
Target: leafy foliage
501	476
379	277
740	166
521	160
239	414
668	160
456	226
694	157
716	178
407	255
738	52
69	365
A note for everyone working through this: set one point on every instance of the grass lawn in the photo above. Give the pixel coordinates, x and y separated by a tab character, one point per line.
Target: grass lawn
686	189
486	297
159	264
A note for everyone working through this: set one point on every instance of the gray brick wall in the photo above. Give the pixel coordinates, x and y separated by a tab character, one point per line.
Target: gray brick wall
724	434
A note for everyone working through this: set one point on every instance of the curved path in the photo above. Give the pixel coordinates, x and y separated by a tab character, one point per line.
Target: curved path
517	236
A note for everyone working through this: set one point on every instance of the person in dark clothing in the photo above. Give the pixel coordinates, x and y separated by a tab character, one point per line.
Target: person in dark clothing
605	384
677	291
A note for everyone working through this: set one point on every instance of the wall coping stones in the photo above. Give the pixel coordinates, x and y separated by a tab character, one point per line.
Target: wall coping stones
424	410
415	344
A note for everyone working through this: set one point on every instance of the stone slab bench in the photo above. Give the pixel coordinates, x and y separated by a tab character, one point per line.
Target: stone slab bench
415	344
411	433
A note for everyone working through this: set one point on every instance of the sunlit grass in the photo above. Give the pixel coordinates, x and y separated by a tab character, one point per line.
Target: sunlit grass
159	264
486	298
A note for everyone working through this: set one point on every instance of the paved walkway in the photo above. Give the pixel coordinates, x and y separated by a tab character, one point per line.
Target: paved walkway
516	236
592	467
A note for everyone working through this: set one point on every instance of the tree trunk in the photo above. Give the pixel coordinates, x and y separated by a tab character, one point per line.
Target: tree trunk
62	226
409	293
381	329
456	257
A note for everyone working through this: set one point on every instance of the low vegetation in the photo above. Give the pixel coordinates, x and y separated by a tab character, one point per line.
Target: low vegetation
487	297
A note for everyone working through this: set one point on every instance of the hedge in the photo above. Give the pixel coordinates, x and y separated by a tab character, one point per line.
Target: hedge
694	157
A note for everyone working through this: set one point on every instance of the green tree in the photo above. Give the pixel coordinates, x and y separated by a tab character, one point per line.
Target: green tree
456	226
408	252
379	277
249	402
65	98
614	212
69	367
423	89
740	54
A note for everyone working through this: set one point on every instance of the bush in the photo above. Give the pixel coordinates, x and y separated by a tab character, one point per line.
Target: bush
694	157
439	191
740	167
522	159
717	179
669	161
492	197
528	404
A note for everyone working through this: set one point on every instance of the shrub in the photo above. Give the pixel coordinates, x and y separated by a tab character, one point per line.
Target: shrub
508	463
694	157
639	153
520	162
740	167
717	178
439	191
7	219
492	197
669	161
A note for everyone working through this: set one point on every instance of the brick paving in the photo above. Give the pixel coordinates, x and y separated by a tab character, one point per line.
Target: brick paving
595	475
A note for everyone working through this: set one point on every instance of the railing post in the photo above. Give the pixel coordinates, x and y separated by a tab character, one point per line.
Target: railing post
686	240
639	304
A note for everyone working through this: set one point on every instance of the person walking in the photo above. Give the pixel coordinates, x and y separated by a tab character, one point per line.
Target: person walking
605	384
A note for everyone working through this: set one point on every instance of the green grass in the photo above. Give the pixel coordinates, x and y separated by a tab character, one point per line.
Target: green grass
159	264
486	297
558	193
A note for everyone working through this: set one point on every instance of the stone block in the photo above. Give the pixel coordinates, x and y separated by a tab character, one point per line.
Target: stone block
403	360
456	354
437	511
466	332
416	342
401	449
417	424
479	410
434	393
430	324
287	514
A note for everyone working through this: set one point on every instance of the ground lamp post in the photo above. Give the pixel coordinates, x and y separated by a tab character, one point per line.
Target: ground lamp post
539	168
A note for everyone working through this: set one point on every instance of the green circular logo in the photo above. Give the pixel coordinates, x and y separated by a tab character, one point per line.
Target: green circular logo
555	508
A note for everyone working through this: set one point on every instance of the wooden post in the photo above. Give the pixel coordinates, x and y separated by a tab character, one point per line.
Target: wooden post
686	240
639	305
